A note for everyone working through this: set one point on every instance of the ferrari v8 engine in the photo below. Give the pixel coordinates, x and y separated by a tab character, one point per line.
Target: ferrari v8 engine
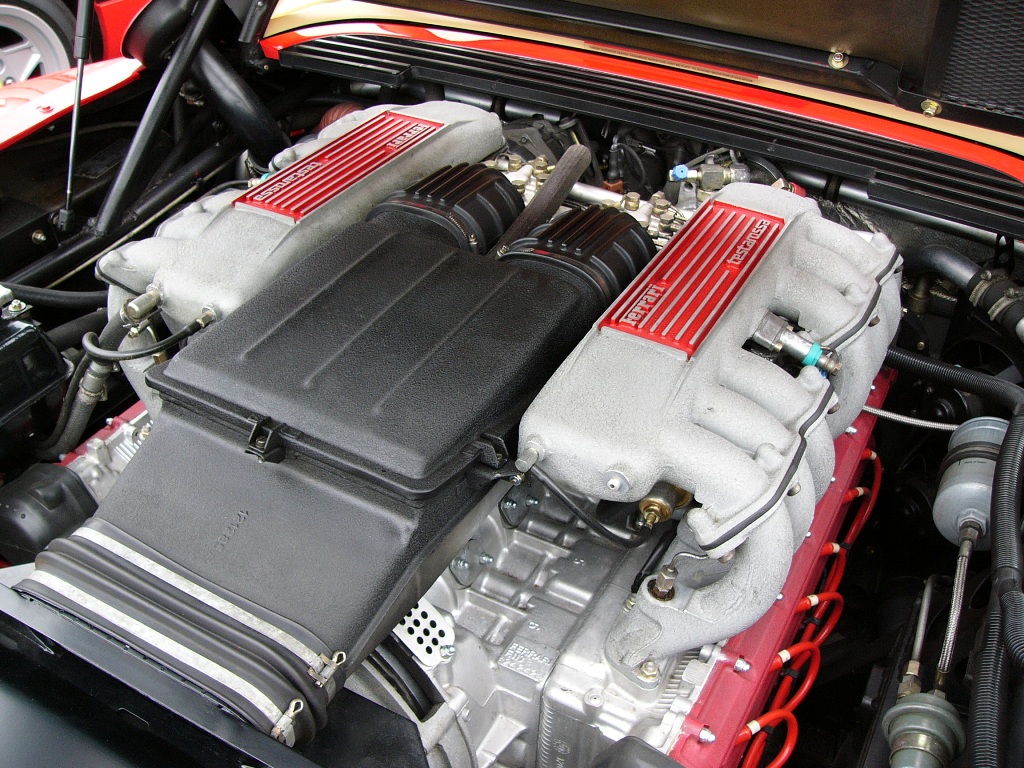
332	465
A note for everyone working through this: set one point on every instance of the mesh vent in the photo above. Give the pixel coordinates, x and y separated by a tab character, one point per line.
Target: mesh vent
986	64
427	633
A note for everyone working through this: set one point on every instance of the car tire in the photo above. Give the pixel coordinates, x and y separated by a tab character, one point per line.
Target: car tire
35	38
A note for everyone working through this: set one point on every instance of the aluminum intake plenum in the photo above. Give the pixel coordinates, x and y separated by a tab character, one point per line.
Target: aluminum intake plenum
668	387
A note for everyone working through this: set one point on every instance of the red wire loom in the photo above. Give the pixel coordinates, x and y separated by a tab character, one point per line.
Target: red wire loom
747	678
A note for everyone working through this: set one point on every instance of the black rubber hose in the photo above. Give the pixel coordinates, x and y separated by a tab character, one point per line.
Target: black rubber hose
588	518
986	742
54	299
942	260
64	437
239	105
128	181
546	202
70	333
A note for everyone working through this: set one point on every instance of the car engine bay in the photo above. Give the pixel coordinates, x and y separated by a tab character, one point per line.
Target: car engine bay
557	437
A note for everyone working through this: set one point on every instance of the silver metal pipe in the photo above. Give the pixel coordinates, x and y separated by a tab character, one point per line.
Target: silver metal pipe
922	618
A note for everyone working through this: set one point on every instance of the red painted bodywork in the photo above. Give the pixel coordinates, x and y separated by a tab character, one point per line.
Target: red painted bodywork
696	277
745	91
730	698
311	182
31	105
114	17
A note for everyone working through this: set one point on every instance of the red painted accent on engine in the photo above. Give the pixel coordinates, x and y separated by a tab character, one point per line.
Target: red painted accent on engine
731	699
696	277
103	434
677	73
301	188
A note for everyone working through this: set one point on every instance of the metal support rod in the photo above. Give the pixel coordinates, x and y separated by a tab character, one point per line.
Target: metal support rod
128	179
83	23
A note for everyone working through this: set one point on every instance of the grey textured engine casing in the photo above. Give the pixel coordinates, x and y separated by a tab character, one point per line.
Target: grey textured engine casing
214	254
752	442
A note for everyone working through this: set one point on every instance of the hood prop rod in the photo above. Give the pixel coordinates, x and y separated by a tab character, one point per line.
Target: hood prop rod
83	26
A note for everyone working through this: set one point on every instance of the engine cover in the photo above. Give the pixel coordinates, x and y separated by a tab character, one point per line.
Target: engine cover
666	388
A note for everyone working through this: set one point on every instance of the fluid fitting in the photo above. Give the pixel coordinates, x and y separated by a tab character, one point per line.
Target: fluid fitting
775	334
659	504
138	309
924	731
1000	298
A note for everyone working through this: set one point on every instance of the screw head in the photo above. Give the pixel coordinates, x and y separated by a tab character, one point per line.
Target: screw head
446	651
460	563
486	559
930	107
17	306
39	237
838	60
706	736
741	665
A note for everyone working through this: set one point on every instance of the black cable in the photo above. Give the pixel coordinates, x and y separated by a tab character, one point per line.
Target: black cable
90	343
588	518
56	299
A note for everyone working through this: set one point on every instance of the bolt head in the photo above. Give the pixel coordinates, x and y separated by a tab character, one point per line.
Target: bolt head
930	107
838	60
706	736
446	651
741	665
486	559
17	306
649	670
39	237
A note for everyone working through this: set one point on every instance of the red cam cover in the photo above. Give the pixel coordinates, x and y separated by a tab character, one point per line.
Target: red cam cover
301	188
691	283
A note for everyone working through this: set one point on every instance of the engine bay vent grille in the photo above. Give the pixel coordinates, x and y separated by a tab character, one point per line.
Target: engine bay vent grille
895	173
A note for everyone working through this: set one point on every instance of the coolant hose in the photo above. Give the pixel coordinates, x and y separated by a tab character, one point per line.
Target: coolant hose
55	299
70	333
986	742
548	199
239	105
940	259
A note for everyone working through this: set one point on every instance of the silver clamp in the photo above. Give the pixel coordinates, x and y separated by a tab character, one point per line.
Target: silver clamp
324	676
284	728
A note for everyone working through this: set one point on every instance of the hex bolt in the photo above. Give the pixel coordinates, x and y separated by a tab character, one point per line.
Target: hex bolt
486	559
649	670
515	162
741	665
706	736
39	237
631	201
446	651
930	107
664	585
17	306
838	60
460	563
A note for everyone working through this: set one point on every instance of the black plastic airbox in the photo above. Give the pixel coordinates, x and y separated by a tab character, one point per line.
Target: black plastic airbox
317	453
